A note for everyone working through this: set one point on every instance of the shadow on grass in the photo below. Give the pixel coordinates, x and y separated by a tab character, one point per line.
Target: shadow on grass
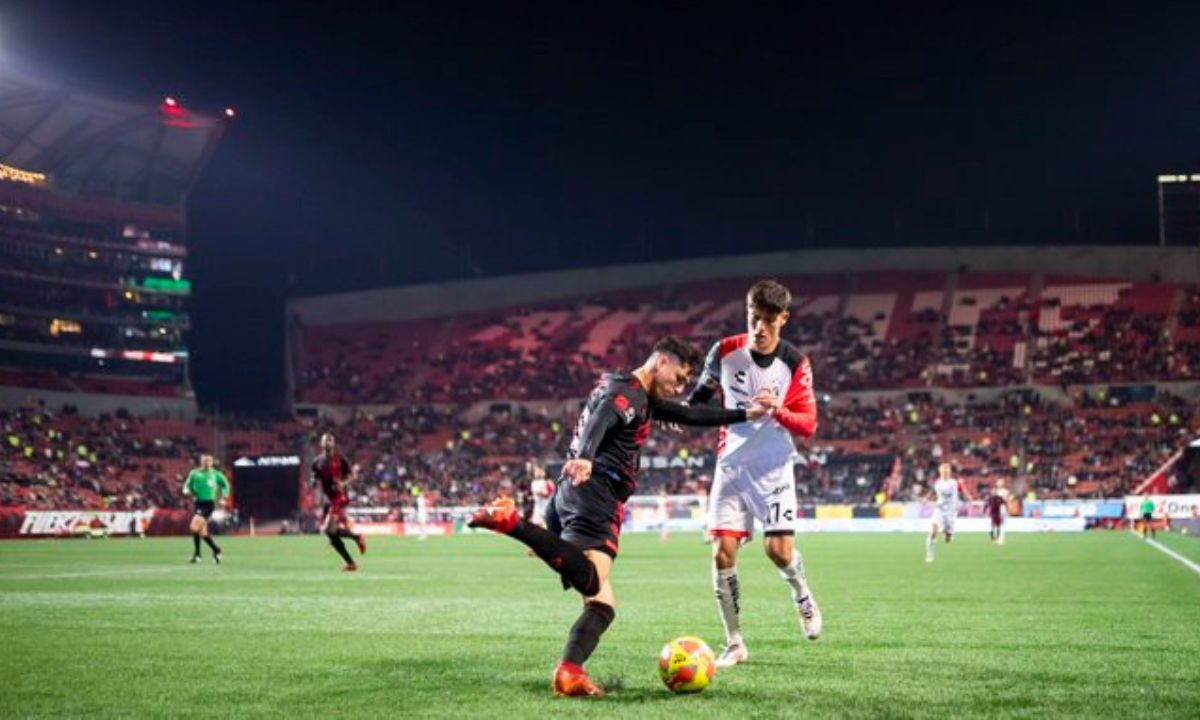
620	694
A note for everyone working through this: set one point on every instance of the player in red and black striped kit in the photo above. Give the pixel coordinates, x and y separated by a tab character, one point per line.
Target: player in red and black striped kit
331	469
583	521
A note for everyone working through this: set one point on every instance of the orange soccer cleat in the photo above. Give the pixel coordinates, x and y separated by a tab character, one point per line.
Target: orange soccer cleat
570	680
500	516
350	567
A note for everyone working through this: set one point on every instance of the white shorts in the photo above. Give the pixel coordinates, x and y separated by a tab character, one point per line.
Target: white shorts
539	511
740	495
944	519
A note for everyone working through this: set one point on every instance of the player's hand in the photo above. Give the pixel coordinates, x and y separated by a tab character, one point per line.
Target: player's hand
578	470
768	397
764	403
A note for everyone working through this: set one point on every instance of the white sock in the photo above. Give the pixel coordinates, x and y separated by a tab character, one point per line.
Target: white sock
930	541
728	592
793	575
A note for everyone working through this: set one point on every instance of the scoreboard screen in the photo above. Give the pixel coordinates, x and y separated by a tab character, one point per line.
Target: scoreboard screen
267	487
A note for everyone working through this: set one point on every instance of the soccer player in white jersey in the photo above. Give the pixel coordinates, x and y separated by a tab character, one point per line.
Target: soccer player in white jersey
541	489
946	496
754	476
422	513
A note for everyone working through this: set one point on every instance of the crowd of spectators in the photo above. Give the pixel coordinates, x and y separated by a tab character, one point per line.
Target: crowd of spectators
1098	444
508	355
443	376
59	458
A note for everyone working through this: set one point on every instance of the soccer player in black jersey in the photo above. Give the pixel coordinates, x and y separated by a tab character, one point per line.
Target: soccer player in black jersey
583	521
331	470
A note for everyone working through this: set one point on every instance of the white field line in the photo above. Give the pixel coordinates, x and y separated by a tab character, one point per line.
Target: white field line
1187	563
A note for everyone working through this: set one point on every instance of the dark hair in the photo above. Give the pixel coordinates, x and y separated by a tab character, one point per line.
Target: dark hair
681	349
770	296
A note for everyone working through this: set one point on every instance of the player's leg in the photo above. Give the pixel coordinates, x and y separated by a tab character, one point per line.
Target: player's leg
331	530
773	501
931	538
344	530
948	525
194	527
780	547
572	504
728	592
1000	531
728	525
204	534
597	615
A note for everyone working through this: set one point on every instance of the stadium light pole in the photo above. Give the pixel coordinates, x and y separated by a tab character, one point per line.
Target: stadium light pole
1162	230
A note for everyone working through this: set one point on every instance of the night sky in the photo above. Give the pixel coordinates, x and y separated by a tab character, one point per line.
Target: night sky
438	141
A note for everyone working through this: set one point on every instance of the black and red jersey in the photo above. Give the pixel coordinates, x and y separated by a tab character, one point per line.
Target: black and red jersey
995	505
615	424
331	470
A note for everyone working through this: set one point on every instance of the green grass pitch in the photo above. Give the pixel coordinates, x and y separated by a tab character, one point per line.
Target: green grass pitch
1079	625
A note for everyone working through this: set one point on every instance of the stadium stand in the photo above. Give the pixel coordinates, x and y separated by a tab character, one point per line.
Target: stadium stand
879	331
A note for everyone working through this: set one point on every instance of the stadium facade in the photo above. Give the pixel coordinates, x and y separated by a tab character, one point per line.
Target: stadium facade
93	247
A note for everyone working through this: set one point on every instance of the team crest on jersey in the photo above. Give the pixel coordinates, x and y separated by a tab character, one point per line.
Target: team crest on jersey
622	404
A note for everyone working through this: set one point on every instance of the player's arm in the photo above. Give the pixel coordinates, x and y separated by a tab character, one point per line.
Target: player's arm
600	421
313	478
798	413
222	488
710	378
187	484
962	490
675	412
611	413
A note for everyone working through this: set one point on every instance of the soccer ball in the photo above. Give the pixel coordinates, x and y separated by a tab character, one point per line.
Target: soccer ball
686	665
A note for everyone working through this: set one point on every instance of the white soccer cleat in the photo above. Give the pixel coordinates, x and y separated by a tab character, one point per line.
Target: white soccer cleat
733	654
810	617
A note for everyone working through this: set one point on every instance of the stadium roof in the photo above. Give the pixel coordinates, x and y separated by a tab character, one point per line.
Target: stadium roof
94	147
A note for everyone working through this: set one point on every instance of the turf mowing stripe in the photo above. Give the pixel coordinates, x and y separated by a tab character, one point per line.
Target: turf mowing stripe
1191	565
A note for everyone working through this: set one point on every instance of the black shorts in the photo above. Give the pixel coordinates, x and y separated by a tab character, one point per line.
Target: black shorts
1148	517
588	516
204	508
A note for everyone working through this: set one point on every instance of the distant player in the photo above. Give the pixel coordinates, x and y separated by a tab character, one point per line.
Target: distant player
583	520
755	476
946	495
663	509
1147	508
209	488
422	513
997	508
541	489
331	469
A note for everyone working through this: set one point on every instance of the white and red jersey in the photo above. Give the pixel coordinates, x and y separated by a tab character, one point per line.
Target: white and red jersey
741	374
542	489
947	493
